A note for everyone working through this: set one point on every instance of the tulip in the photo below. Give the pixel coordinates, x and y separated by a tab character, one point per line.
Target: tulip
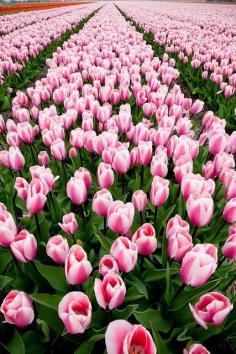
108	264
17	309
179	243
69	224
159	191
229	212
16	158
196	349
76	190
122	337
101	202
229	248
125	253
77	266
196	184
121	160
145	239
176	224
199	264
84	174
183	166
110	292
24	246
57	248
139	200
212	308
8	228
105	175
58	149
75	310
120	216
197	107
77	138
43	158
158	167
144	153
200	208
36	196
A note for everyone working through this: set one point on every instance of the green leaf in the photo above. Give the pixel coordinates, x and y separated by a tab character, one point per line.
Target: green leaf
132	294
4	281
50	301
15	345
138	284
124	313
152	275
85	348
5	259
160	344
105	242
153	318
32	342
55	276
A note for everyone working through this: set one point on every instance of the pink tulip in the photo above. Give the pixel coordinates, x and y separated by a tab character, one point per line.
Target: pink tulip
200	209
36	196
8	228
121	160
145	239
69	224
159	191
212	308
139	200
125	253
58	149
77	266
159	166
229	248
43	158
17	309
197	106
196	349
176	224
120	216
21	186
26	132
108	264
24	246
105	175
123	337
76	190
16	158
77	138
101	202
110	292
229	212
232	229
84	174
45	176
75	310
183	166
179	243
57	248
144	153
217	143
199	264
196	184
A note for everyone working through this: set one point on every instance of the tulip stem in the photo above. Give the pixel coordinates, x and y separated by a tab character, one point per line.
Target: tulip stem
32	152
180	289
221	262
105	225
141	264
155	217
17	265
38	224
73	236
141	217
80	157
142	175
122	183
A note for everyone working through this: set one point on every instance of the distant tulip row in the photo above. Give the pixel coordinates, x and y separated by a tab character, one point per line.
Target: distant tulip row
116	201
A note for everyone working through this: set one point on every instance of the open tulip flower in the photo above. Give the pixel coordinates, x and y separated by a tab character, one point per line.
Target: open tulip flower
118	179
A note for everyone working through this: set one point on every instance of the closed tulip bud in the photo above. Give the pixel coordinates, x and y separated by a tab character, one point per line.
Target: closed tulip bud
139	200
17	309
26	132
84	174
158	166
120	216
69	224
124	121
217	143
75	310
36	196
121	160
21	186
144	153
200	209
73	153
24	246
123	337
199	264
183	166
105	175
196	349
176	224
77	266
212	308
196	184
110	292
76	191
179	243
77	138
58	149
125	253
101	202
57	248
229	212
16	159
108	264
8	228
229	248
159	191
197	106
145	239
43	158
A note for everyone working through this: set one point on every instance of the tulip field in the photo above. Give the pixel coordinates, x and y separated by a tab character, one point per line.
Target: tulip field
117	179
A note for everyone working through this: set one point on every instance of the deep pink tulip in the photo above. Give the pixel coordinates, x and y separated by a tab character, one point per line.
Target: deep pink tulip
176	224
105	175
75	310
24	246
196	349
123	337
229	212
139	200
217	143
199	264
212	308
69	224
110	292
101	202
125	253
197	106
159	191
43	158
58	149
57	248
229	248
108	264
200	209
145	239
17	309
120	216
77	266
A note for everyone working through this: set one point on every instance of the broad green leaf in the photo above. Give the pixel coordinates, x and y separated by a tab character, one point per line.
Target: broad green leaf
152	275
4	281
15	345
124	313
55	276
138	284
105	242
160	344
50	301
153	318
5	259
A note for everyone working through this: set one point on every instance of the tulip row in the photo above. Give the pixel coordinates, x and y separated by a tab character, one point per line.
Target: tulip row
115	213
204	52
